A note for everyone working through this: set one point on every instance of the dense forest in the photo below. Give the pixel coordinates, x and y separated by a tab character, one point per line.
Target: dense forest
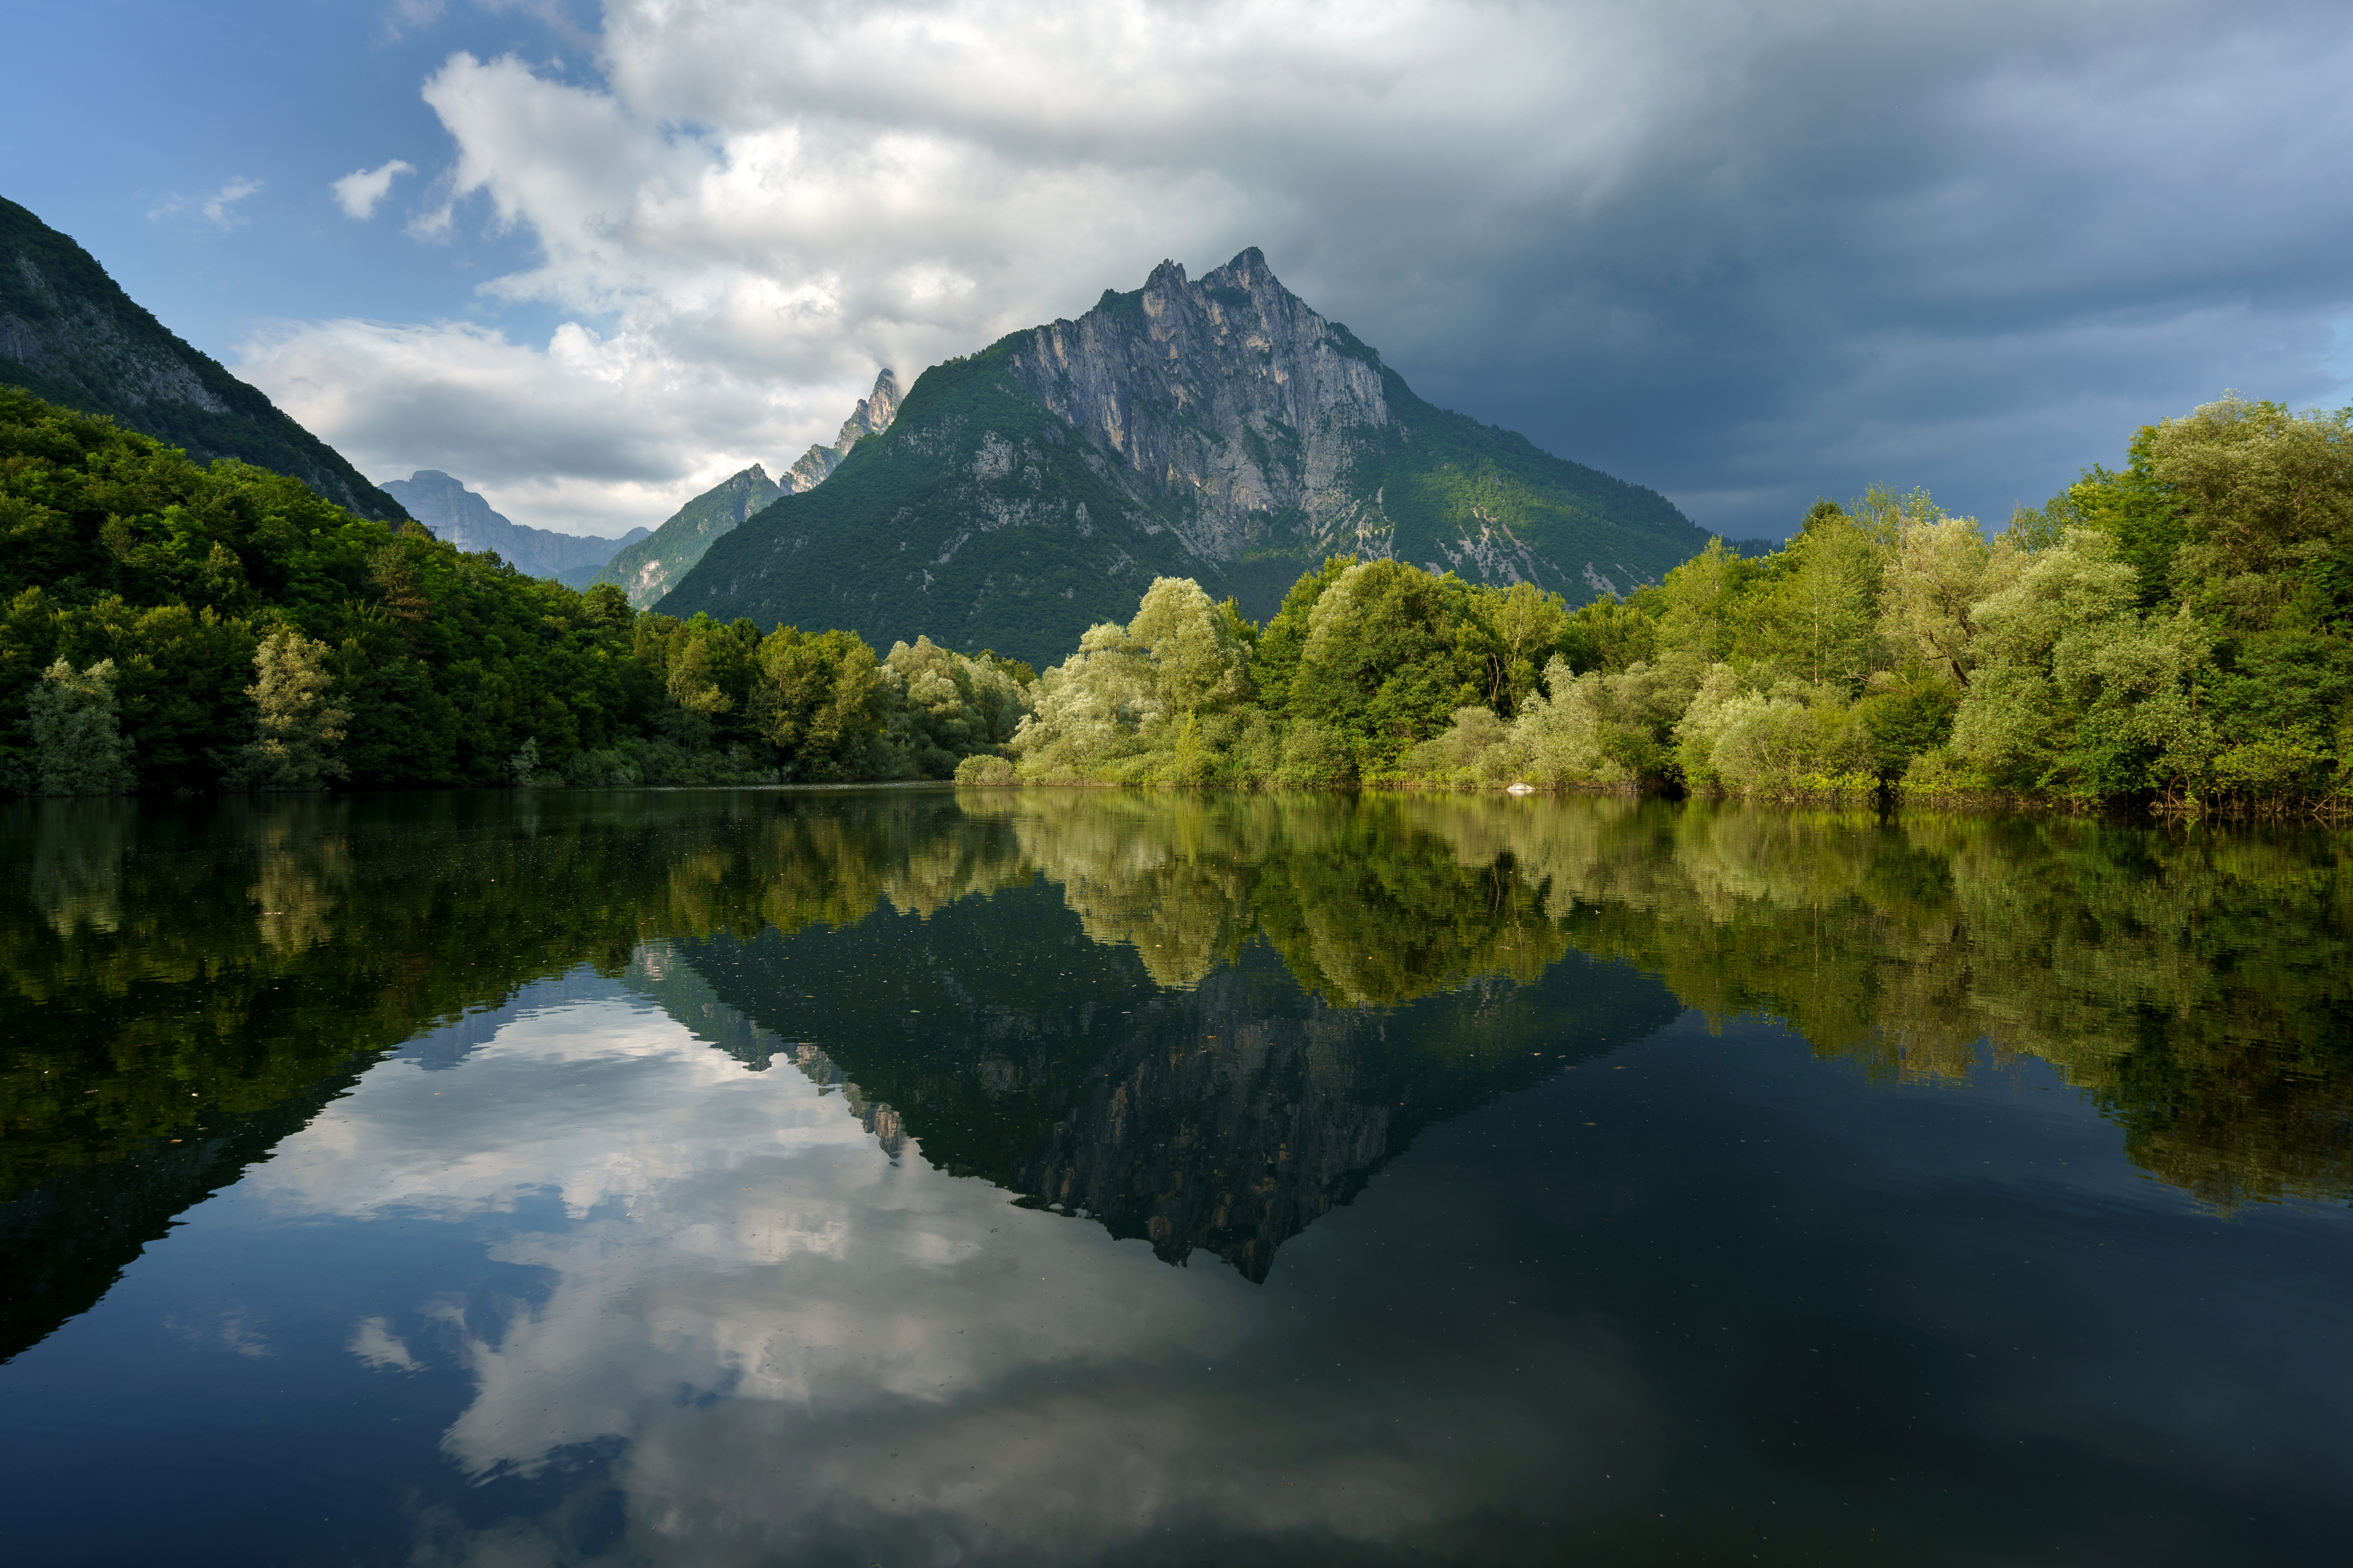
173	627
2177	632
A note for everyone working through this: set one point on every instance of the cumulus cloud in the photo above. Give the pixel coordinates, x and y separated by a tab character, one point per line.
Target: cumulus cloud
358	192
1744	254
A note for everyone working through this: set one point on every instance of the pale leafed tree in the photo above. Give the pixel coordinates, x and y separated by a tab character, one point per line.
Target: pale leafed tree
1940	568
298	728
1136	690
1528	624
1199	664
2076	692
78	747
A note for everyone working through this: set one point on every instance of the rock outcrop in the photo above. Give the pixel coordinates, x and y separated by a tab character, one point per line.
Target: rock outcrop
647	570
1226	404
871	417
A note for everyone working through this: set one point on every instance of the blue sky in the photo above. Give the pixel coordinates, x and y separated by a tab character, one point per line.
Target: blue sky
1746	253
136	106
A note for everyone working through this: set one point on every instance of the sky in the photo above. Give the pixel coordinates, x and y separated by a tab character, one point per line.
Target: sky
593	260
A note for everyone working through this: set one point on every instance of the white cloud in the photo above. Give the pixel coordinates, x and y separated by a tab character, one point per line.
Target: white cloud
220	207
1681	241
359	191
378	1347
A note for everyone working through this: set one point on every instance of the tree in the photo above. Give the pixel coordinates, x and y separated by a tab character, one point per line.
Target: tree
1391	653
1529	625
1814	607
1199	659
78	743
1275	659
298	732
2265	499
2077	693
819	700
1941	568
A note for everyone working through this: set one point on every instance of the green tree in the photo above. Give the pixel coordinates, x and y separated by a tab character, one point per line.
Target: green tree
78	747
1276	657
299	729
1391	653
819	701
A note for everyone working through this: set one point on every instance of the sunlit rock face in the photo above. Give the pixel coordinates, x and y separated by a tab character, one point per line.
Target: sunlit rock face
1226	403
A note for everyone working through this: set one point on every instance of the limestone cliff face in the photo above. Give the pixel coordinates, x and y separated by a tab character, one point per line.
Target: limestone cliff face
1227	403
871	417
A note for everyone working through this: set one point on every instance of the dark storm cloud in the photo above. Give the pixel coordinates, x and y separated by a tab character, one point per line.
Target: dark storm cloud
1970	248
1744	254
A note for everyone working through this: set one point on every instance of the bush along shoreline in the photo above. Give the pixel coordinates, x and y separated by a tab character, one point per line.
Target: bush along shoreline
2176	635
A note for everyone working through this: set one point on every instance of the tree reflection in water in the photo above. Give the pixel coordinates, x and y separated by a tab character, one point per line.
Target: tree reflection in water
1272	992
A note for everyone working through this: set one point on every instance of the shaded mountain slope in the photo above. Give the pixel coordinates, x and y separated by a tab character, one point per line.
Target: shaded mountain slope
1220	430
70	334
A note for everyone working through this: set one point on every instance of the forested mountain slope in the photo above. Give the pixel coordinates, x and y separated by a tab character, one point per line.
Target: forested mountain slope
1218	429
70	334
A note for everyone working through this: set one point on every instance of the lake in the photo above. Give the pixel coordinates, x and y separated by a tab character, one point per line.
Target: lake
1040	1177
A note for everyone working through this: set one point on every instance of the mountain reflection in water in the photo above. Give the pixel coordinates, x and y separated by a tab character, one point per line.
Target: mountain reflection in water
695	1045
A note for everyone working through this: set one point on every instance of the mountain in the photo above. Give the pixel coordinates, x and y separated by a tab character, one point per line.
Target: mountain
871	417
70	334
1217	429
648	569
456	514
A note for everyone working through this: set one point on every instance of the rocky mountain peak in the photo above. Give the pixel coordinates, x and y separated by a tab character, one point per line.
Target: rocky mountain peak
871	417
1212	427
1228	398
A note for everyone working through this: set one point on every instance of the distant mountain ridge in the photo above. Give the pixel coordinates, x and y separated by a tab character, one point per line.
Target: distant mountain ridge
647	570
456	514
70	334
1218	429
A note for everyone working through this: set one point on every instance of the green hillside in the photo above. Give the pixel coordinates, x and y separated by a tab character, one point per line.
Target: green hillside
70	334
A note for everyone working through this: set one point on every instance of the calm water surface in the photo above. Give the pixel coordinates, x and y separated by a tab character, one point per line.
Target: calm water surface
1041	1178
